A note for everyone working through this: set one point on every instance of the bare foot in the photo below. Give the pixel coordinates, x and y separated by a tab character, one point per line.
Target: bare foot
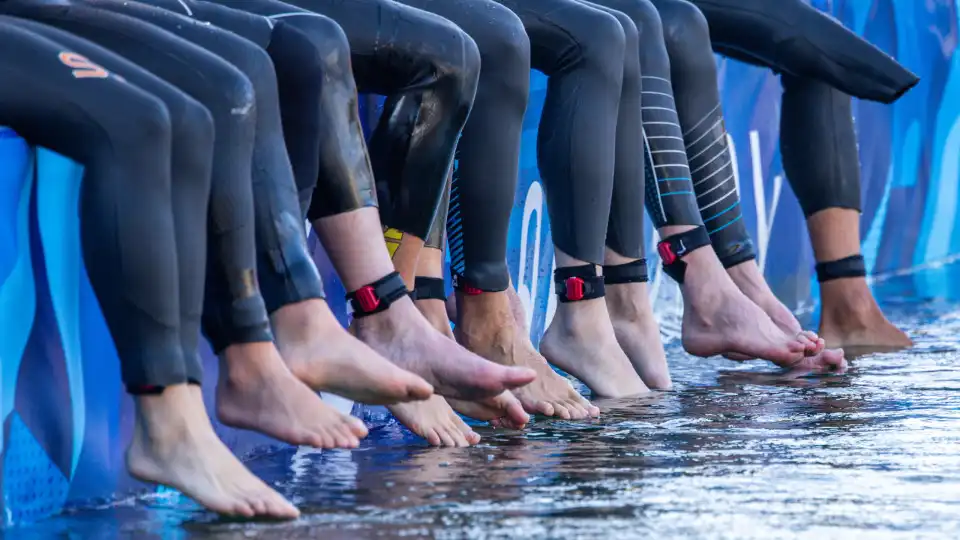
748	278
582	342
719	319
638	333
406	338
851	318
327	358
436	422
174	445
750	281
256	391
487	326
503	410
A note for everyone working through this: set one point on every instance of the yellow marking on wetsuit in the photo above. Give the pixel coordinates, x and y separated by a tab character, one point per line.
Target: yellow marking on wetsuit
393	238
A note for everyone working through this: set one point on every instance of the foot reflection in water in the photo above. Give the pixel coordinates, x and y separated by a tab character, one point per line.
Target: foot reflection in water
734	451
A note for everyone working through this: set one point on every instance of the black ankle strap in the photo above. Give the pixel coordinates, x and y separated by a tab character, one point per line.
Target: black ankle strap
152	389
145	390
429	288
377	296
672	249
631	272
576	283
848	267
460	284
739	254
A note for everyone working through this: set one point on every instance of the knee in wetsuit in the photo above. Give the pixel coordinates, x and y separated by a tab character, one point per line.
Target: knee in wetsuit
685	32
818	143
420	131
317	74
790	36
318	99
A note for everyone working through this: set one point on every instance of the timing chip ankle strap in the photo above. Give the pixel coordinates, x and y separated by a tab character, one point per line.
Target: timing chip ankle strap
673	248
376	297
576	283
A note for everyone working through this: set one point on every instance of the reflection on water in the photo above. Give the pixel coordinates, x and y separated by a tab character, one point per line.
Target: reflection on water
732	452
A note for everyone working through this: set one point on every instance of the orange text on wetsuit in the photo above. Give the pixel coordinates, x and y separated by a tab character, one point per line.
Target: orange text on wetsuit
83	68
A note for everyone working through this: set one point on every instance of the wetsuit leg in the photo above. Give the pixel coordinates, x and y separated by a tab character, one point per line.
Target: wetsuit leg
285	269
488	154
438	232
581	50
234	309
625	229
791	37
318	99
298	80
816	121
192	145
694	73
400	51
58	99
670	197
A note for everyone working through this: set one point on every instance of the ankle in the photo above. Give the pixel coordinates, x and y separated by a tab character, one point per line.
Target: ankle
244	364
485	318
703	266
628	302
847	302
162	416
435	311
388	322
579	317
303	321
747	277
485	310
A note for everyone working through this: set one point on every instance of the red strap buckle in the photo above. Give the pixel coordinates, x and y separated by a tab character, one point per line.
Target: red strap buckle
666	253
471	291
367	298
574	287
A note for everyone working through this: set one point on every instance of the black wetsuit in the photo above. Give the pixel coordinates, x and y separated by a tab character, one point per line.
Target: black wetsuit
285	271
121	131
317	94
486	165
581	50
690	177
405	54
234	311
585	154
821	63
431	88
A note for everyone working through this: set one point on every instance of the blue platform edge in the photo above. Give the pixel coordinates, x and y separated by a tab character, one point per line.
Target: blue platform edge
66	419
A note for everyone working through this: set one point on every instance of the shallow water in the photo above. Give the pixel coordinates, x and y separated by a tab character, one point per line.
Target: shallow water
732	452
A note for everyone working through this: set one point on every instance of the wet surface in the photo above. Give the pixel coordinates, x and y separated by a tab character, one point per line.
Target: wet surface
732	452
